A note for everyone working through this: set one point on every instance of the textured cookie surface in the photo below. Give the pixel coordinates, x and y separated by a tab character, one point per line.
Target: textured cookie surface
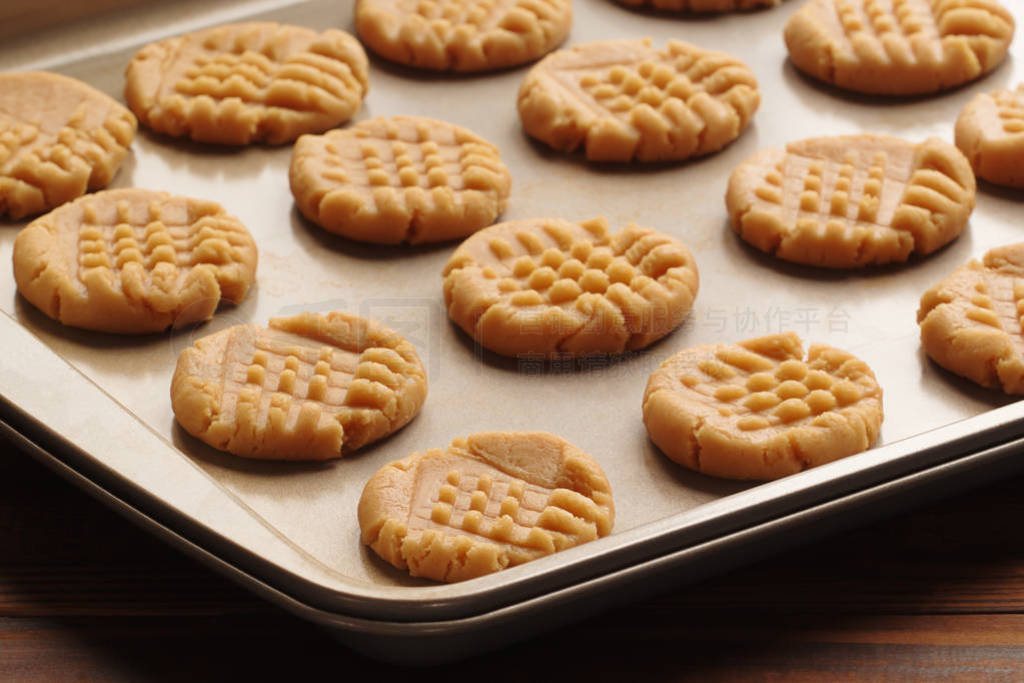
308	387
971	321
898	47
623	100
134	261
401	179
990	132
489	501
851	200
701	5
553	287
761	409
58	138
251	82
462	35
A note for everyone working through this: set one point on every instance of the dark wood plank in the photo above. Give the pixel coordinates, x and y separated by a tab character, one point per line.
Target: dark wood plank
265	646
935	593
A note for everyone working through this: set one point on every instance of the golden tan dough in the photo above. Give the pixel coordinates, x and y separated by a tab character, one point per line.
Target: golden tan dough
990	133
58	138
489	501
552	287
898	47
400	179
623	100
971	321
134	261
462	35
761	409
308	387
853	200
250	82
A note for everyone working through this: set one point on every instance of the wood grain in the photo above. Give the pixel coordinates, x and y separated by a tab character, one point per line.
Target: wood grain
938	593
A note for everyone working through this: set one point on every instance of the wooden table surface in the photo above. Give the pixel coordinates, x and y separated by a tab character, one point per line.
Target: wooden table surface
935	593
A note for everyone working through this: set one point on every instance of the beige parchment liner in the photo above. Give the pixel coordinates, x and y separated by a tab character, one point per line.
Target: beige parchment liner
870	312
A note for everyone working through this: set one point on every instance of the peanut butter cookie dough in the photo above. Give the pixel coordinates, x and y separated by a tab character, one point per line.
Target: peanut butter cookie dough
971	321
623	100
898	47
134	261
990	133
853	200
308	387
552	287
761	409
462	35
58	138
251	82
489	501
399	179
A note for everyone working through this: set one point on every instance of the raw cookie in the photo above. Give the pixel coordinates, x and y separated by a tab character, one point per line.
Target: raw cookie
462	35
623	100
58	138
898	47
309	387
701	5
971	321
990	132
550	287
489	501
134	261
760	409
251	82
400	179
852	200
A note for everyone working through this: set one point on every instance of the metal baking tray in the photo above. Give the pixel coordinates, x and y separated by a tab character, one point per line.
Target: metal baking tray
96	407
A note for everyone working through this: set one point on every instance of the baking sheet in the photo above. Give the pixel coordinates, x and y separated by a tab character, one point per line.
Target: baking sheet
310	508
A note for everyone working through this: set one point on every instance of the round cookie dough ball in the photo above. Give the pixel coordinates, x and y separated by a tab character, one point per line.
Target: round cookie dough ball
624	100
551	288
851	200
134	261
762	408
308	387
237	84
462	35
400	179
970	322
58	139
489	501
898	48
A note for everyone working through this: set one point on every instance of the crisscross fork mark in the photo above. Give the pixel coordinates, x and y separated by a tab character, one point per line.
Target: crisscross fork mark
209	239
650	80
397	164
760	392
821	190
565	271
252	77
899	27
998	302
483	15
1010	108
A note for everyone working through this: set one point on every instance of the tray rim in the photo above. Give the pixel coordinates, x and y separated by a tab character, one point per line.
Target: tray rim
42	421
641	544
